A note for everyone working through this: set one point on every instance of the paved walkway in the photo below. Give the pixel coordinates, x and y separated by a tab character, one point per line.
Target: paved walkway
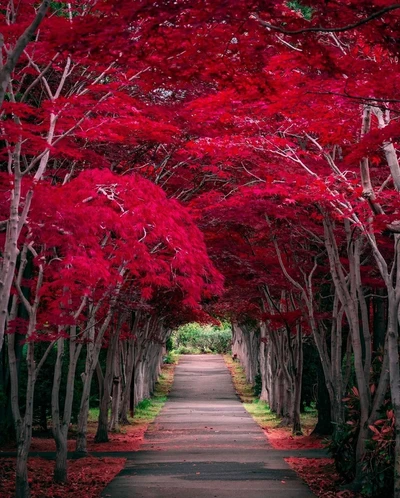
204	444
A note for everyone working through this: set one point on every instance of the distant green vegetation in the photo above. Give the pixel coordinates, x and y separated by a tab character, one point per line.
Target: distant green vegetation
194	338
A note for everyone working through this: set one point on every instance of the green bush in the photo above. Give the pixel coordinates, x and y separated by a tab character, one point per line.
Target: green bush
342	446
378	462
169	345
186	350
170	358
257	385
144	404
194	338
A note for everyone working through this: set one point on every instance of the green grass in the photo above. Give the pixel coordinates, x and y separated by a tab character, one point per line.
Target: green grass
309	418
93	415
262	414
171	358
147	410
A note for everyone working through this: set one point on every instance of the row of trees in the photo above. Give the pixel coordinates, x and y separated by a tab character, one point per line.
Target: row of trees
273	125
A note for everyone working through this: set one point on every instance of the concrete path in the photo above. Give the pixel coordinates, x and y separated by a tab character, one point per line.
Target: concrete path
204	444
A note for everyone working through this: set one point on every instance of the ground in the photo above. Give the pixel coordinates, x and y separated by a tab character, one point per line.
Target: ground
87	477
321	476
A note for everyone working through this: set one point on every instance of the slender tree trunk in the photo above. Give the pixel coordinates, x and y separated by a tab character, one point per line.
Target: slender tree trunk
10	254
104	381
92	357
127	394
263	361
324	425
102	427
60	470
380	318
81	440
60	424
298	383
25	430
273	379
22	489
116	398
246	347
394	369
116	388
61	466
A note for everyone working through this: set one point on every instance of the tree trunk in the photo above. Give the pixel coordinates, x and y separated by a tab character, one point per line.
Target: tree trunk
264	363
397	463
60	425
246	347
116	389
10	254
60	471
324	425
394	369
127	393
22	486
61	467
102	427
298	383
81	439
380	320
104	382
116	397
92	356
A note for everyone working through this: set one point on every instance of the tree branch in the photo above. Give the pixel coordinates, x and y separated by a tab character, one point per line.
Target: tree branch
22	42
320	29
356	97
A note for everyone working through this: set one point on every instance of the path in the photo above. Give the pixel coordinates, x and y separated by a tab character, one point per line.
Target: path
204	444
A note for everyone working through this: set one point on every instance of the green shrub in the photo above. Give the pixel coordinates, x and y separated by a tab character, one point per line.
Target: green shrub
342	446
144	404
170	358
378	462
169	345
257	385
185	350
194	338
304	10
